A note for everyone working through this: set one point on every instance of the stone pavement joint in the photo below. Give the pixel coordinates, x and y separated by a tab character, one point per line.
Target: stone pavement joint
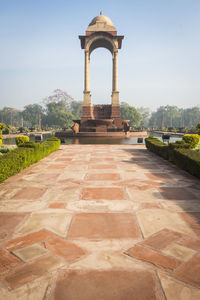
105	222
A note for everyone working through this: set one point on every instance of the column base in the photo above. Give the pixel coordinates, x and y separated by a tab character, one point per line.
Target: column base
86	98
115	98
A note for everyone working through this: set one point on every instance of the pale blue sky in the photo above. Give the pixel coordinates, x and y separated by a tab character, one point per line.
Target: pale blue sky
159	62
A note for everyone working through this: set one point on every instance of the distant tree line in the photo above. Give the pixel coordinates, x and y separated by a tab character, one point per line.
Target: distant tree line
60	109
174	117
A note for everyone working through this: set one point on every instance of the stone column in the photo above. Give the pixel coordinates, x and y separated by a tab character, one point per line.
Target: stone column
115	93
115	71
87	96
87	72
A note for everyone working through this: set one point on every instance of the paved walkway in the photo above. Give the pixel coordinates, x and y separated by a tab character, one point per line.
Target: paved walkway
100	222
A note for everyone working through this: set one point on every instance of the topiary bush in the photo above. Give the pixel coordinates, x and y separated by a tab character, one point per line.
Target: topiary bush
192	139
21	139
22	157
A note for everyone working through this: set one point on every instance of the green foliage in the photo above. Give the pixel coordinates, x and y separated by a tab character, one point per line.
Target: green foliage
179	144
53	138
76	109
188	160
174	117
192	139
179	153
29	145
6	130
155	145
2	126
130	113
21	139
31	114
1	138
22	157
6	148
198	128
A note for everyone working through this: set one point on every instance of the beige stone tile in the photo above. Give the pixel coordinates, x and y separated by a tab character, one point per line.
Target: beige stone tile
64	194
21	206
50	220
176	290
30	252
154	220
150	195
105	260
100	206
180	252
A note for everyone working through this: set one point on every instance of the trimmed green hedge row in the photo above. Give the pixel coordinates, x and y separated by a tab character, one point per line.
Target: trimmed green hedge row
178	153
25	155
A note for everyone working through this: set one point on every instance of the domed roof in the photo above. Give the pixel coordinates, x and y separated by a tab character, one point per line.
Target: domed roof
103	19
101	23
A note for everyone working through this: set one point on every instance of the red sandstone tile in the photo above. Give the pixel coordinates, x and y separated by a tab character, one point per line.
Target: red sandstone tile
2	235
32	270
193	220
28	239
63	159
9	221
104	225
107	285
29	193
103	166
56	166
103	176
57	205
190	271
103	193
7	260
69	251
158	176
96	160
153	257
162	239
177	193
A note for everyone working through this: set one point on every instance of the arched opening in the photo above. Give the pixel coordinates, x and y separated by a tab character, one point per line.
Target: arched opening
101	76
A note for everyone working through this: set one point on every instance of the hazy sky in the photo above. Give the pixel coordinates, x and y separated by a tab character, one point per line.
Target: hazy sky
159	62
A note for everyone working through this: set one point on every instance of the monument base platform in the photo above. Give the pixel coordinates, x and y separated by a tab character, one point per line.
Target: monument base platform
121	134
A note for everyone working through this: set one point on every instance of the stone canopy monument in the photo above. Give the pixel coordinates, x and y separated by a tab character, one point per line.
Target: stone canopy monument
101	118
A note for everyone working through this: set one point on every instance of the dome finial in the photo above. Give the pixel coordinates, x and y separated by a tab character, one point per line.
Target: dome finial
101	13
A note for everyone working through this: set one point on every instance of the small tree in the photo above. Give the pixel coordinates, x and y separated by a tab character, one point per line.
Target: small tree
2	126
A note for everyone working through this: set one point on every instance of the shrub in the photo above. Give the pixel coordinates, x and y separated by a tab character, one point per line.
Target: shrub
21	139
53	138
5	149
192	139
2	126
180	153
188	160
6	130
22	157
155	145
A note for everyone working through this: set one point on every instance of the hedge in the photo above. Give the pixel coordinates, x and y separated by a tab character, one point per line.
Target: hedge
179	153
155	145
188	160
25	155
